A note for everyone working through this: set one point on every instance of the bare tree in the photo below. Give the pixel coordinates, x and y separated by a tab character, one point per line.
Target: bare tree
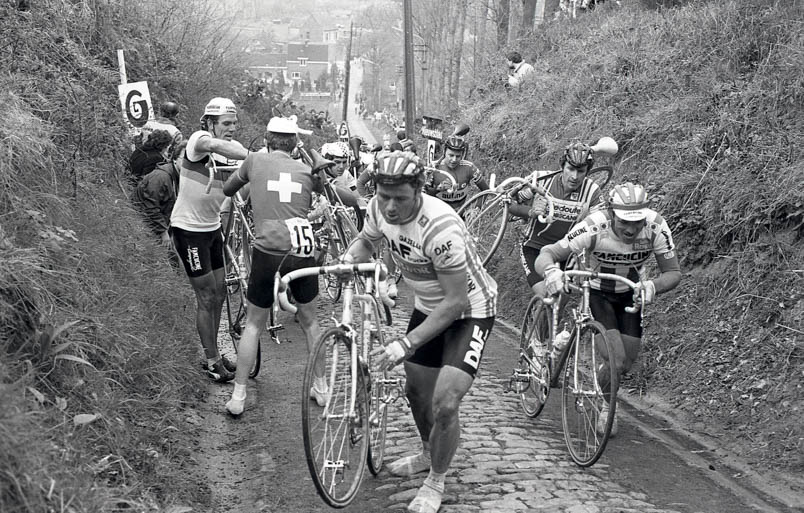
503	12
528	17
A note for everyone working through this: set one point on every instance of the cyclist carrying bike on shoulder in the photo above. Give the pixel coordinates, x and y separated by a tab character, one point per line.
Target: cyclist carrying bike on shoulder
464	172
574	194
454	309
195	223
618	239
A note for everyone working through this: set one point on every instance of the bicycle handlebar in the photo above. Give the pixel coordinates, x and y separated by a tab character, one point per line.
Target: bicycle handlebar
530	181
608	276
281	283
213	167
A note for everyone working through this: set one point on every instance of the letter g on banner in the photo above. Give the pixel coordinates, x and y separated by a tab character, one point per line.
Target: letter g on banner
136	102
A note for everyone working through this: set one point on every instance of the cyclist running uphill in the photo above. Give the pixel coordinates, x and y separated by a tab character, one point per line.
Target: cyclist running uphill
339	152
573	197
464	172
195	223
281	197
454	309
618	239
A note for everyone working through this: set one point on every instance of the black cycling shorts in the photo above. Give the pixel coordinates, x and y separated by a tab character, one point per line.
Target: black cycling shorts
261	280
608	308
527	257
460	345
200	252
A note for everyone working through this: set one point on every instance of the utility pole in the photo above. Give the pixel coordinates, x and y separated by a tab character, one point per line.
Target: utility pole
347	71
410	82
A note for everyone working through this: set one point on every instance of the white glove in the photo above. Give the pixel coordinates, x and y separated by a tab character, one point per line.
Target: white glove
390	355
649	288
553	279
444	186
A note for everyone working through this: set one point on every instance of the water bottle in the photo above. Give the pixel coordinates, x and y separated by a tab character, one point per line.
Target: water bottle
560	342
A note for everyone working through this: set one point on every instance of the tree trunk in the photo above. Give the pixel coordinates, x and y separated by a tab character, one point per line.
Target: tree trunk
503	12
481	35
528	17
459	37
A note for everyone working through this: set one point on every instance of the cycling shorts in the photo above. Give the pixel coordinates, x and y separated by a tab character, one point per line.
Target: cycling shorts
261	280
460	345
200	252
608	308
527	257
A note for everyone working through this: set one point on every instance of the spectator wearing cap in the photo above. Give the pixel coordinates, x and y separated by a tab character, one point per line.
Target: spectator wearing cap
144	159
518	69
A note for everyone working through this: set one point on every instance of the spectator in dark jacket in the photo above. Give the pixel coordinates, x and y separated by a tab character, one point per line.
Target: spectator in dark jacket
145	158
156	193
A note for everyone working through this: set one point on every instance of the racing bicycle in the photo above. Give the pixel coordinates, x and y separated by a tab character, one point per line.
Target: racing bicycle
486	214
575	368
348	433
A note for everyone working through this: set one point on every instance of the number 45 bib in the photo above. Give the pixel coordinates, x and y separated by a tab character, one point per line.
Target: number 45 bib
302	240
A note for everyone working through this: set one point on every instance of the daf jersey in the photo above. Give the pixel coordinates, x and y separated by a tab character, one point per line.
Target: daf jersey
281	196
569	208
195	209
434	242
608	254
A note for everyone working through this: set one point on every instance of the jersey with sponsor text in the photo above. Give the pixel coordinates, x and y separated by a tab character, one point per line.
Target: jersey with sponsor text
608	254
569	207
195	209
434	242
465	174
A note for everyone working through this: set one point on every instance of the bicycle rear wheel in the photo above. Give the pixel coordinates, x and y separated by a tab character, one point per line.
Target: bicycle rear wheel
485	215
377	392
335	438
533	358
582	398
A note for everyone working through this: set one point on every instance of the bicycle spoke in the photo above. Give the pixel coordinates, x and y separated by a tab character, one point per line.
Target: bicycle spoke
334	435
531	378
485	219
582	397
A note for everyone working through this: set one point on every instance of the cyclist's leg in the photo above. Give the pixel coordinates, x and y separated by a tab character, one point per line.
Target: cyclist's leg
195	251
605	310
305	292
462	350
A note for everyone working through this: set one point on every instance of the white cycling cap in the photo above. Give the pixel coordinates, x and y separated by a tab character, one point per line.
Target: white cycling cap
280	125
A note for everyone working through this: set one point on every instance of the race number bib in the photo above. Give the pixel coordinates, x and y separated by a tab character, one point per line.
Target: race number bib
302	241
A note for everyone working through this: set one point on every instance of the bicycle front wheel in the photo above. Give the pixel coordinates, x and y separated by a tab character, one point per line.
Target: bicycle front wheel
485	217
377	392
582	398
335	435
533	371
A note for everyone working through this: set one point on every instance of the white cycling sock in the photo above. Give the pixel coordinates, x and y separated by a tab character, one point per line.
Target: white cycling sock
410	465
320	384
239	392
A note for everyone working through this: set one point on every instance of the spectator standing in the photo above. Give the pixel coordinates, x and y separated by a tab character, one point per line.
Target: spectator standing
144	159
518	69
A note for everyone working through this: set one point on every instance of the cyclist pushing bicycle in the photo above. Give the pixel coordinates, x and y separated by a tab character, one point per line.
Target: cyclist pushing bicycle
463	172
195	223
281	197
453	313
617	239
574	194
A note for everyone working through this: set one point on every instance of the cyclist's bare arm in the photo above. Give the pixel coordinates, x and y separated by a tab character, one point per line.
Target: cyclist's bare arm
456	300
519	210
550	255
229	149
669	272
235	182
362	181
359	250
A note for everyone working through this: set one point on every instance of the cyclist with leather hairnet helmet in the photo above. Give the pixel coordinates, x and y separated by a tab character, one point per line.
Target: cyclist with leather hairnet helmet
195	223
339	153
573	197
618	239
454	309
464	172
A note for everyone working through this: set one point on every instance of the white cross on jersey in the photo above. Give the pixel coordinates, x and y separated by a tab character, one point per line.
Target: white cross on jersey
285	186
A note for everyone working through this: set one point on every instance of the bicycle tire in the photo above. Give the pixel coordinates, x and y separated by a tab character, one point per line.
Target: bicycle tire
333	284
335	445
583	400
485	215
370	339
601	175
235	281
534	353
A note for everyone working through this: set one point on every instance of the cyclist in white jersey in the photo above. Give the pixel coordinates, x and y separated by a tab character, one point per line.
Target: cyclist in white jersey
618	239
453	313
195	223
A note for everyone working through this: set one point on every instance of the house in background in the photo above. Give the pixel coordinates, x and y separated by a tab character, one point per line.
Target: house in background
307	61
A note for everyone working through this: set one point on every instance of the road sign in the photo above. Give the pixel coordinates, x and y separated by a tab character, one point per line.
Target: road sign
136	101
343	130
